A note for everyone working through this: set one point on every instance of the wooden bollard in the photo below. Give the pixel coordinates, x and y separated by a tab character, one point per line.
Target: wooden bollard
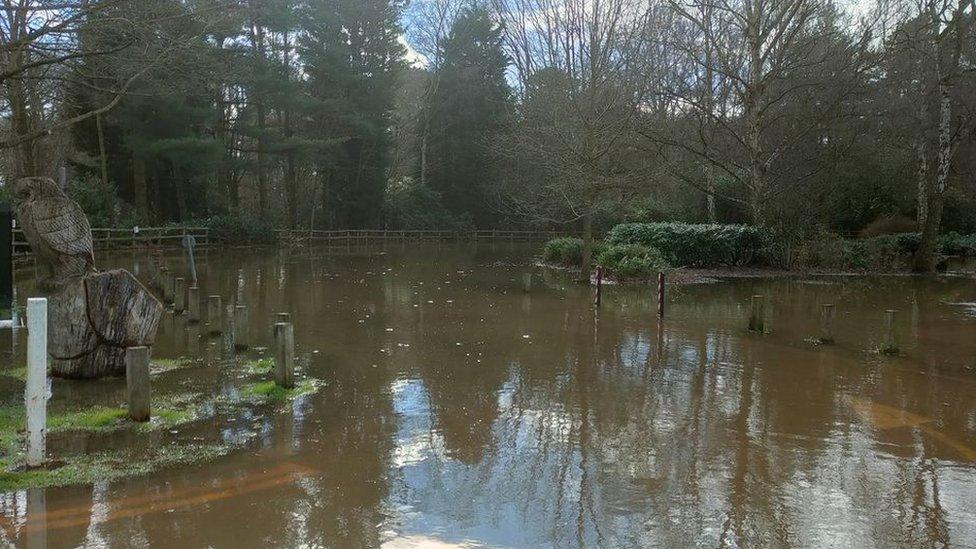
598	292
890	344
240	327
36	390
215	314
284	338
756	323
827	323
137	382
193	304
527	282
169	287
179	294
660	295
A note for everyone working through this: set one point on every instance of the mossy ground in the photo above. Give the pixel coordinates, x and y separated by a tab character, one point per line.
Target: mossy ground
270	392
168	410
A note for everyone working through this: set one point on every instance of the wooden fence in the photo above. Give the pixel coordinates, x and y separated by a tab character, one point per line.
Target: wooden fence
104	239
371	236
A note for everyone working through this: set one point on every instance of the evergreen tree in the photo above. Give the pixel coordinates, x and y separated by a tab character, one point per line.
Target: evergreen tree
469	110
352	56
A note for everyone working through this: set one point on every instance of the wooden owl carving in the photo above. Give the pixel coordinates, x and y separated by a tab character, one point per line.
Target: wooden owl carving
57	230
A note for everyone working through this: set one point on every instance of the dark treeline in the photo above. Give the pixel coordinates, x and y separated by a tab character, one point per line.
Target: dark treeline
798	115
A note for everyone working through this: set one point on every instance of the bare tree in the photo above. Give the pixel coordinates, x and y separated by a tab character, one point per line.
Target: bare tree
582	69
751	61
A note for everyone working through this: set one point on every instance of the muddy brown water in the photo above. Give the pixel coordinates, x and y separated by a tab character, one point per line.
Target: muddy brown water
460	411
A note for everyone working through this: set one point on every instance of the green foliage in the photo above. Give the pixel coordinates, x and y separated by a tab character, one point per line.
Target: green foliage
953	243
692	245
467	114
632	260
239	227
412	205
100	201
567	251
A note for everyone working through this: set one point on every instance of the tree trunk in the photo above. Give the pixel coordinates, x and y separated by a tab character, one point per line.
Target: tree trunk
586	264
140	189
923	184
102	156
926	259
754	94
93	319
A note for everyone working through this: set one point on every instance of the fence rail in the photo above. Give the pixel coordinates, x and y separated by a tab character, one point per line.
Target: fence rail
130	238
105	239
367	236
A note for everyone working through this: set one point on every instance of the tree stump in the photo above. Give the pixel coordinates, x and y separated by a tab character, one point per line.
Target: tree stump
93	319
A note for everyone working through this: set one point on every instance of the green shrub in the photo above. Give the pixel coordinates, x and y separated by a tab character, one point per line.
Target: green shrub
953	243
567	251
242	227
100	201
632	260
694	245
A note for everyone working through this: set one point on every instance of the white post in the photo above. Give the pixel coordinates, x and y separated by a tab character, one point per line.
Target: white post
36	379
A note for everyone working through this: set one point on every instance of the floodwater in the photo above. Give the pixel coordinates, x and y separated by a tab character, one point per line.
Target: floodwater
459	410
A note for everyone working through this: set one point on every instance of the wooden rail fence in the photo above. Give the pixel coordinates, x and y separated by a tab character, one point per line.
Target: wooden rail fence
131	238
105	239
371	236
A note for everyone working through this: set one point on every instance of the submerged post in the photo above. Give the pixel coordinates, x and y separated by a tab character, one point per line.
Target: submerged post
36	390
193	304
284	337
527	282
660	295
827	323
137	382
240	327
215	316
890	344
597	294
169	287
179	294
756	323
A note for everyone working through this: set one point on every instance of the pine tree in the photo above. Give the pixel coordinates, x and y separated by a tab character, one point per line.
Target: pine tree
469	110
352	57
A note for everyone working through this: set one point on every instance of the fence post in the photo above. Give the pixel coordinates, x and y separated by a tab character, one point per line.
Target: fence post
240	327
179	294
215	315
284	337
137	382
193	304
756	323
660	295
827	323
36	390
527	282
890	344
598	297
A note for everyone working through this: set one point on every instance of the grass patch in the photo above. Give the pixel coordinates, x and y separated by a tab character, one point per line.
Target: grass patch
98	418
161	365
269	391
15	373
260	366
108	466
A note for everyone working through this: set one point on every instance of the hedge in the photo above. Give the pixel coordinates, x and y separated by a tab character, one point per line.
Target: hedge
694	245
632	261
567	251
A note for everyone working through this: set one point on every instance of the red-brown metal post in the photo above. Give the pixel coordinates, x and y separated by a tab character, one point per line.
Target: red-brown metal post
660	295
